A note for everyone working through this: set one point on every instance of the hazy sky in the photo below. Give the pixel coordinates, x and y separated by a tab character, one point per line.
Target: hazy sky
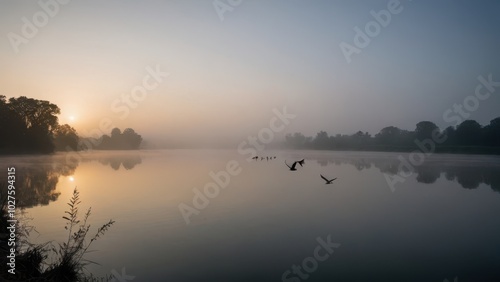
227	75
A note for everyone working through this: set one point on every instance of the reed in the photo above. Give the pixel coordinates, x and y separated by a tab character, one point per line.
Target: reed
67	259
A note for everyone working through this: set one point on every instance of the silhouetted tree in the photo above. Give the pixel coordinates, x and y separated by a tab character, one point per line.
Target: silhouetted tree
105	142
451	135
425	129
12	128
469	133
388	135
115	133
128	140
492	133
65	137
468	137
131	138
28	124
321	141
360	140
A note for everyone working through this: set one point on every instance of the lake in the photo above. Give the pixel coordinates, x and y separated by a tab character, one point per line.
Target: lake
255	220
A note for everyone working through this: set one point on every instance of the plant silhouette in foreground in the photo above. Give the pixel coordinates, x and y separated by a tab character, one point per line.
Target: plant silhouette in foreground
70	262
67	259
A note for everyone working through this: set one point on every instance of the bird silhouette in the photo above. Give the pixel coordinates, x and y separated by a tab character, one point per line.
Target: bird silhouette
255	158
293	167
327	180
301	162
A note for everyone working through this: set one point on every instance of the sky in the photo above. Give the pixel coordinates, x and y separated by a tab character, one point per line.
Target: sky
223	66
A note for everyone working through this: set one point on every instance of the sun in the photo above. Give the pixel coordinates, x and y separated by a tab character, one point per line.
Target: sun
72	118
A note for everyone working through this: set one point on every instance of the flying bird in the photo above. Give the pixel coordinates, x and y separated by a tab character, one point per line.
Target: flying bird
255	158
292	168
327	180
301	162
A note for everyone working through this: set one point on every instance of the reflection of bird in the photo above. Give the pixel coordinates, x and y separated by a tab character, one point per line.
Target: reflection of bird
301	162
292	168
327	181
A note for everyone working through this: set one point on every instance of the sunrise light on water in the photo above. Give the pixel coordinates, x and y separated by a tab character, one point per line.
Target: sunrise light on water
242	140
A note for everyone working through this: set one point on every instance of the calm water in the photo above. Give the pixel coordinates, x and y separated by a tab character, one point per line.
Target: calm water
440	222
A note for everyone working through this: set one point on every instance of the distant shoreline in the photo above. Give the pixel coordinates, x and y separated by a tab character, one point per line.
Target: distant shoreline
455	150
473	150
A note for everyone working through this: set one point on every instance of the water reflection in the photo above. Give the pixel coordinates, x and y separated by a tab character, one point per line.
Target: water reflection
273	216
468	173
128	162
37	177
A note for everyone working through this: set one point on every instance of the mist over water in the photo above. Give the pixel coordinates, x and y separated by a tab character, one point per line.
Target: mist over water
434	225
237	140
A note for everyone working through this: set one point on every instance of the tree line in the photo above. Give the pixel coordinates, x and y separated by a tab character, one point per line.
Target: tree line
29	125
126	140
468	136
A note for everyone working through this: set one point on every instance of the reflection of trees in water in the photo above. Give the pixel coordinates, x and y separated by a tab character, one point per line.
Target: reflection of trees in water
128	162
427	174
115	160
493	179
469	179
36	183
362	165
469	176
37	177
36	187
